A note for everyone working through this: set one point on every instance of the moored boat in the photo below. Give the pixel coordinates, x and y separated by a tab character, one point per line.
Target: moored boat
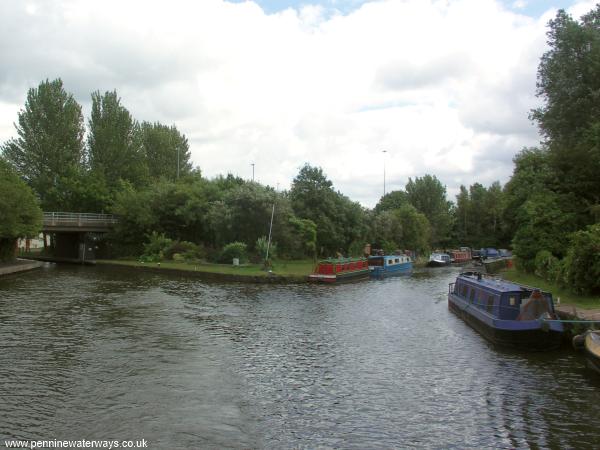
386	265
461	256
506	313
438	259
590	343
342	269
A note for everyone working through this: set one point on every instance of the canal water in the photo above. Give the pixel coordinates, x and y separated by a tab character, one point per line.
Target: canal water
101	353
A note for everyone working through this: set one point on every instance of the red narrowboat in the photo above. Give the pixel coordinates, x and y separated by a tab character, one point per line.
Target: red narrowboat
336	270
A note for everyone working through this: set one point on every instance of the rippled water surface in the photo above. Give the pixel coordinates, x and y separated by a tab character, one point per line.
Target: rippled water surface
96	353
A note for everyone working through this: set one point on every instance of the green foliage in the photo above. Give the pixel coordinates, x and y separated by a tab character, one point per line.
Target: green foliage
404	227
49	149
234	250
164	148
547	266
416	230
391	200
339	220
478	216
543	227
20	215
156	247
261	248
184	251
388	247
582	264
7	249
569	118
115	142
428	196
305	237
356	249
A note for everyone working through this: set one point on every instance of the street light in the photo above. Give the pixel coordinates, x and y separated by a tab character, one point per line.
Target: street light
384	152
252	164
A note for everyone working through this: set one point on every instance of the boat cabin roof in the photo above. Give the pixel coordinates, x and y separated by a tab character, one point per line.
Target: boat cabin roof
495	284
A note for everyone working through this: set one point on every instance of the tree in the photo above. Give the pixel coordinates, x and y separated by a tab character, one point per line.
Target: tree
544	225
428	196
569	119
392	200
166	150
20	214
49	150
582	264
313	198
340	221
114	142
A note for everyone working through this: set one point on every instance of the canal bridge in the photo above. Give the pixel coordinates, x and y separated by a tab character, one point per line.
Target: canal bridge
76	236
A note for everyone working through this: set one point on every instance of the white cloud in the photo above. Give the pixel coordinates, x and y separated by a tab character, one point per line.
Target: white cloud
444	85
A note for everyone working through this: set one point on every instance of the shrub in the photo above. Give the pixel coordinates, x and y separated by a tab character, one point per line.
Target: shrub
186	251
582	263
155	248
234	250
261	248
547	266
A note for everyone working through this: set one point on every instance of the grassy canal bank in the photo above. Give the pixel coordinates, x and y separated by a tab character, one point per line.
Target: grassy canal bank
282	271
567	297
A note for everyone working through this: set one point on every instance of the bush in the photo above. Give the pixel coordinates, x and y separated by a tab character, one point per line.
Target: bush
234	250
184	251
547	266
154	249
582	264
261	248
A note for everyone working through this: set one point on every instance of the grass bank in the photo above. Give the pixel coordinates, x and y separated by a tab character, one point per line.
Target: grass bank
566	296
286	270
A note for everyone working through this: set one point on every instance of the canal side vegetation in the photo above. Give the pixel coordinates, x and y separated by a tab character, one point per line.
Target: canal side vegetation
20	215
548	212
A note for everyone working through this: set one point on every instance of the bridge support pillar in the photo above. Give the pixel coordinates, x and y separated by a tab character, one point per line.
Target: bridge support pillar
79	246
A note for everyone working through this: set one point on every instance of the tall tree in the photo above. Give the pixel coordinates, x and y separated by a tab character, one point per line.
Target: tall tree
114	142
391	200
49	150
428	196
339	220
20	215
167	151
569	84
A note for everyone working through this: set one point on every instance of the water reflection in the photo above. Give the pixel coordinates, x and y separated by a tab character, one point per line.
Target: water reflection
96	353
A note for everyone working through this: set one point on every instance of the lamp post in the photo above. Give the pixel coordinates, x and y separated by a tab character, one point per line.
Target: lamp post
252	164
384	152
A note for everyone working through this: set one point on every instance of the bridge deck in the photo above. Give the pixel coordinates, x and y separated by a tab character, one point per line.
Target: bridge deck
62	221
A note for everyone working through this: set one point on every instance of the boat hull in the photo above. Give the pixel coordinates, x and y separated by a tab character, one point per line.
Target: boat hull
592	350
438	263
530	335
340	277
389	271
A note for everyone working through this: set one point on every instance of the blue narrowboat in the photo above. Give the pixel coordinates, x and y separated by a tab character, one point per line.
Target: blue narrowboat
385	265
506	313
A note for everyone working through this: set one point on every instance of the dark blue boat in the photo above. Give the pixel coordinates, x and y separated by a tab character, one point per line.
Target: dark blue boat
385	265
506	313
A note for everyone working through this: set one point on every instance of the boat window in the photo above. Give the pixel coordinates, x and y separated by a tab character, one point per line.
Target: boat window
512	300
472	295
390	261
490	303
397	260
464	290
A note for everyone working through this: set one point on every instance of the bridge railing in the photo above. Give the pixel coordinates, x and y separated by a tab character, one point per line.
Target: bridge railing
78	219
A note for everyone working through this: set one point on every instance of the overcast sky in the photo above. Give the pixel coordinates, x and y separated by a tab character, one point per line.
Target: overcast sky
444	86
